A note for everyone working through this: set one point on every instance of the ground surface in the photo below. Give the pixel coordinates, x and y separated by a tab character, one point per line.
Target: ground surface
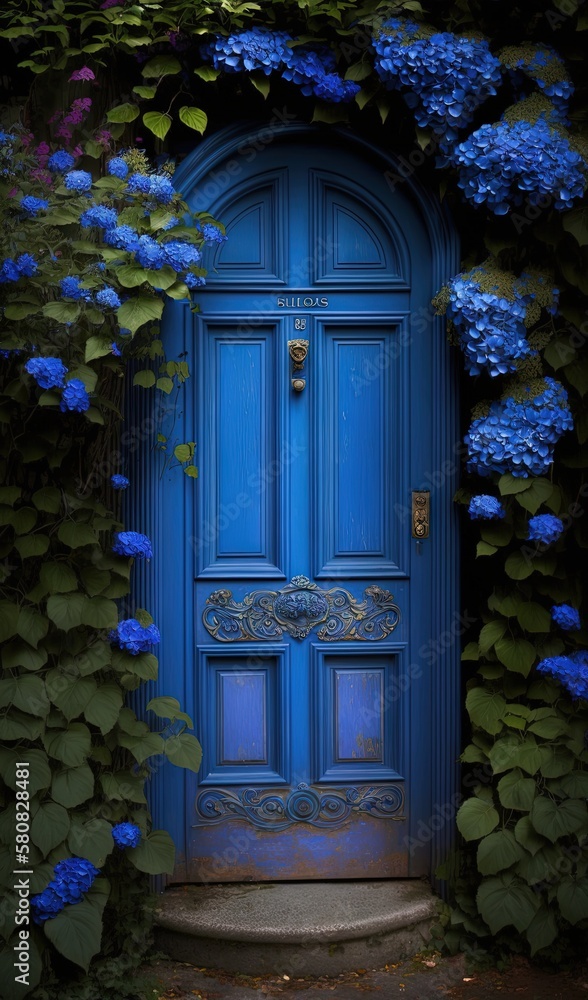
421	978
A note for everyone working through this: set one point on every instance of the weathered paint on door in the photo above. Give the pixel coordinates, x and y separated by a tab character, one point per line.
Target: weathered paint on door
308	598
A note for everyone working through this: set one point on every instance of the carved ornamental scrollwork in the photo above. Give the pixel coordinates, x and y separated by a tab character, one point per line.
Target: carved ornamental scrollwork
299	608
319	807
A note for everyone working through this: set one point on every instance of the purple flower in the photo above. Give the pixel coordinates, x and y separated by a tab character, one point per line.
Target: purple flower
134	637
132	543
566	616
485	508
60	161
85	73
545	528
74	397
117	168
78	180
49	373
119	482
126	835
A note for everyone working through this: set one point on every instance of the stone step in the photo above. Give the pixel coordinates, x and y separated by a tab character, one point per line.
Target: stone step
294	928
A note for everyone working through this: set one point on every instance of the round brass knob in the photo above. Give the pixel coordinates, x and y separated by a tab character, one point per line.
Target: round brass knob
298	384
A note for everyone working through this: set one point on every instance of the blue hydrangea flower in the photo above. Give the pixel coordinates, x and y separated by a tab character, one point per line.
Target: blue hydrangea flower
542	65
99	215
117	168
108	297
194	280
254	49
32	206
46	905
134	637
505	164
313	70
60	161
161	188
9	271
27	265
212	234
122	237
71	289
485	508
446	77
73	877
174	221
545	528
116	350
78	180
180	255
518	436
119	482
74	397
126	835
566	616
132	543
149	253
139	183
49	373
571	671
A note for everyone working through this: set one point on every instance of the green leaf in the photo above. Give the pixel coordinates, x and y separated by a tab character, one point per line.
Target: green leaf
191	471
574	784
491	633
161	66
99	612
165	384
572	896
142	746
24	520
20	310
69	693
509	484
158	123
32	626
471	651
71	746
359	71
476	818
156	855
207	73
168	708
486	709
576	223
139	310
145	378
184	750
9	614
516	792
72	786
549	729
97	347
542	930
539	492
556	761
48	499
130	275
332	113
29	546
496	534
123	113
505	900
261	83
554	820
484	549
91	840
27	692
146	92
62	312
49	826
528	756
121	787
518	566
498	851
517	655
66	610
198	120
18	726
76	536
527	836
39	770
58	578
20	654
104	708
533	618
76	932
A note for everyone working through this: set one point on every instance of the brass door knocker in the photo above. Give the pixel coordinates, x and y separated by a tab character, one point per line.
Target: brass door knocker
298	350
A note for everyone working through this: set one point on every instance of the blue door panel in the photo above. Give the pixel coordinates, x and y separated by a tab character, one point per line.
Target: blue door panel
306	601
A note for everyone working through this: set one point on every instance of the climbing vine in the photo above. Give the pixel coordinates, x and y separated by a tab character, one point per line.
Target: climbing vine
95	239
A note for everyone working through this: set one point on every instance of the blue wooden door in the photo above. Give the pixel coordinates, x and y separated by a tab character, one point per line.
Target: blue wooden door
314	422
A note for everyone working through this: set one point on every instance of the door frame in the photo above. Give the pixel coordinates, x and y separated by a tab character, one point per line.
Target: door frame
164	507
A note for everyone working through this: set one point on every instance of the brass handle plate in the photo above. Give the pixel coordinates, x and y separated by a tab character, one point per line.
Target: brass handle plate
298	350
421	513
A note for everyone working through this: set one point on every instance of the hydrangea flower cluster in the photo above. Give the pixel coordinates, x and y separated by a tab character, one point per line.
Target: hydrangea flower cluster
60	161
78	180
134	637
72	878
24	266
126	835
518	435
504	164
571	672
74	397
542	65
545	528
566	616
489	310
49	373
132	543
32	205
485	508
259	49
119	482
447	76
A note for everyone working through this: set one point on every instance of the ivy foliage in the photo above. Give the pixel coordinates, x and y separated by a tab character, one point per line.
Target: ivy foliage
523	820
